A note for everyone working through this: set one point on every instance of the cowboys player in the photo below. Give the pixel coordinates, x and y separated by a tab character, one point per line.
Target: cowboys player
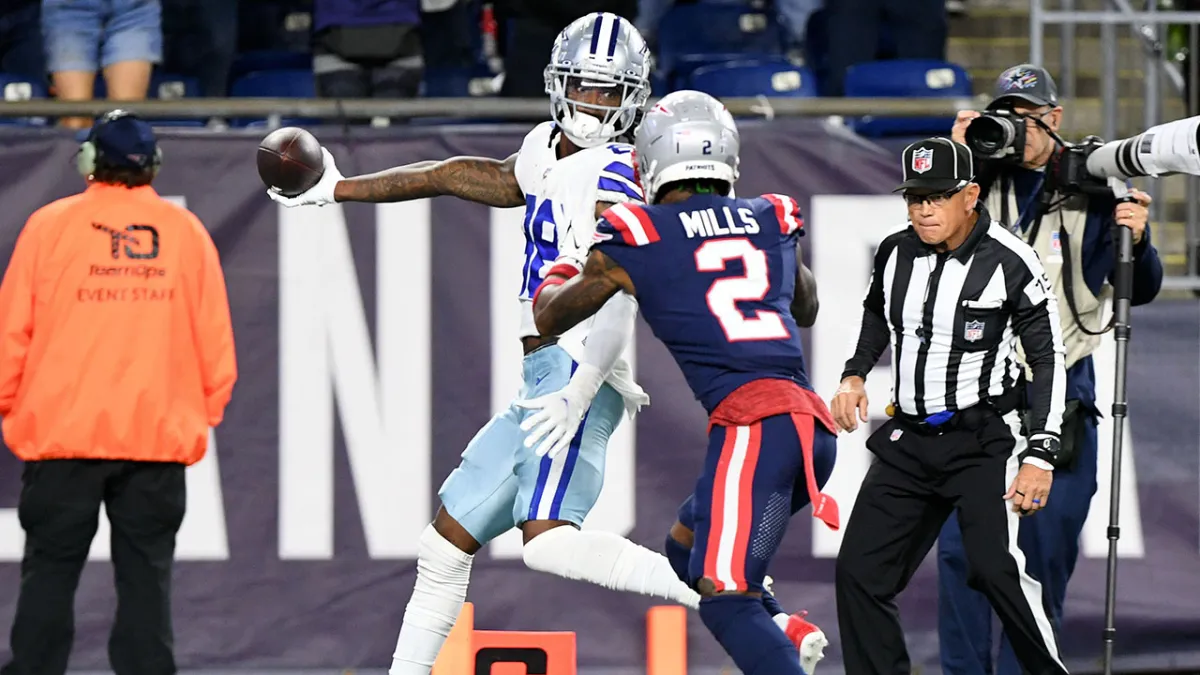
567	171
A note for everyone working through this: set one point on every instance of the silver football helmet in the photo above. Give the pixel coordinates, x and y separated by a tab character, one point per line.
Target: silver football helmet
686	135
598	78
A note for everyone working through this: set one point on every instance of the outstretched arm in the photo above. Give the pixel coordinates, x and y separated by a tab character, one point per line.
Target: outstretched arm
560	306
804	300
477	179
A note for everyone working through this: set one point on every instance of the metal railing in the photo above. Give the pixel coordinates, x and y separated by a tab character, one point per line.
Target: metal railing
1144	25
464	108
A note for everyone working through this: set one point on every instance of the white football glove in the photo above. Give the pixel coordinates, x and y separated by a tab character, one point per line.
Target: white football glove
317	195
558	414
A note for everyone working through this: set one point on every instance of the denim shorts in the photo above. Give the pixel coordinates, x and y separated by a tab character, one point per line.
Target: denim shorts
89	35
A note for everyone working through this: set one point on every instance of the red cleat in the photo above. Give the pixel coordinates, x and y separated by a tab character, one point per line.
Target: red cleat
809	639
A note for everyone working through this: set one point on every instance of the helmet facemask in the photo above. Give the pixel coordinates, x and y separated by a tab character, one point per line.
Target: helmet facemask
592	102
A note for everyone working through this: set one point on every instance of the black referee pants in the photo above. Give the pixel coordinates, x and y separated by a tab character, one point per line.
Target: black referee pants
918	478
59	510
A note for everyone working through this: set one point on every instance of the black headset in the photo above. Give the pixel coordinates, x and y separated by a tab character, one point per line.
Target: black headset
85	159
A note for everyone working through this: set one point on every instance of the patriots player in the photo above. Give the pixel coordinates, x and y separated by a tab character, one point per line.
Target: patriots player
568	170
718	280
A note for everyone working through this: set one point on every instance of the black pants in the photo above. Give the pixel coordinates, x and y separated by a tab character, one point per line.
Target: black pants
59	511
918	478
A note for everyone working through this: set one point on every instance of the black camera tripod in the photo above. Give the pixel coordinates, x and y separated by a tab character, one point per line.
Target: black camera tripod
1122	301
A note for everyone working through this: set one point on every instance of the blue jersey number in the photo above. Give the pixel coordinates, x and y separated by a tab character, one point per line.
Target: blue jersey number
539	222
724	294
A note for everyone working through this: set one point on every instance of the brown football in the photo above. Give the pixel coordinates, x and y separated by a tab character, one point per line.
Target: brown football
290	159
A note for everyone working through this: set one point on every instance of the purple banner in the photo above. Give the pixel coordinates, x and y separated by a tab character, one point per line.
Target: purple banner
374	341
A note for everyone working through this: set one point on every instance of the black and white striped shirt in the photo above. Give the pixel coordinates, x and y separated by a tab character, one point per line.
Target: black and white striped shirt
953	320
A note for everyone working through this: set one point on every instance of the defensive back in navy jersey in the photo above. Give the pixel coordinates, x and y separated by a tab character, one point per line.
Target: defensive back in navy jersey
714	278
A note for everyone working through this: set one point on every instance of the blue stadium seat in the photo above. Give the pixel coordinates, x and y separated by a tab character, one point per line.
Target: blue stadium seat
254	61
906	79
446	82
290	83
692	36
293	83
19	88
754	78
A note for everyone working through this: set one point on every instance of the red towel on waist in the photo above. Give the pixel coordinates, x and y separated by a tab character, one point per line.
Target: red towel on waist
760	399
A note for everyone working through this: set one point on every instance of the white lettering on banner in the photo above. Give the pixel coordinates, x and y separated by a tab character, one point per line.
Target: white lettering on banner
845	232
615	509
325	350
201	537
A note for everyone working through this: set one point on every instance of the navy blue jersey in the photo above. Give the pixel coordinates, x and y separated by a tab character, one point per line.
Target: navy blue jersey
714	278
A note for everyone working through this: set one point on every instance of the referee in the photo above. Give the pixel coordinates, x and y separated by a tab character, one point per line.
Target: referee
952	292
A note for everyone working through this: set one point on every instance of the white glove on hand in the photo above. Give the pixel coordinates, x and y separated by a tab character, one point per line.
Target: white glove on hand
558	414
317	195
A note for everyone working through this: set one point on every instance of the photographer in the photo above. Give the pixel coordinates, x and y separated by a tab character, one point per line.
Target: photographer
1074	235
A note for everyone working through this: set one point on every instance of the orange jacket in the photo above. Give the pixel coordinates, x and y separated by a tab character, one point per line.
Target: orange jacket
115	337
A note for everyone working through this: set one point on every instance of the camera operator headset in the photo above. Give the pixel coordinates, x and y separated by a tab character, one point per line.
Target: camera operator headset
1028	187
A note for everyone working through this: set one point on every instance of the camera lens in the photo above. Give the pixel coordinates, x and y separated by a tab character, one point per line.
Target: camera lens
988	136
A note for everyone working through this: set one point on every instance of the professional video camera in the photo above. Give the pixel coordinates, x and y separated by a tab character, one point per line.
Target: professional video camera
1165	149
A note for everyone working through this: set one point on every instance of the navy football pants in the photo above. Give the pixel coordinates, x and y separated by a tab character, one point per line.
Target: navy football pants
1050	541
752	483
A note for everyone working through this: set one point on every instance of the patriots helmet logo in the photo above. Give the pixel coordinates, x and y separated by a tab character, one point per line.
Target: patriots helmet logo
922	160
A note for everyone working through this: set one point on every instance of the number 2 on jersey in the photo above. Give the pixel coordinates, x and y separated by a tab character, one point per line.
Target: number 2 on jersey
724	294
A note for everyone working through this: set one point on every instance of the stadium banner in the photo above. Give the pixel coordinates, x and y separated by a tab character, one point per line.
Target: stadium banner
374	340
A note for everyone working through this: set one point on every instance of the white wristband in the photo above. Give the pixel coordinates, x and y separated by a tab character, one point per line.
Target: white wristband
1039	463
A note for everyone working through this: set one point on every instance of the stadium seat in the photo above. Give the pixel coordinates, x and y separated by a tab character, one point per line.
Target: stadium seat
754	78
255	61
292	83
18	88
692	36
446	83
905	79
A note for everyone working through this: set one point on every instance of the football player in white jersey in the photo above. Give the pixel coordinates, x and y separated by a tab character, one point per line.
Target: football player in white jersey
567	171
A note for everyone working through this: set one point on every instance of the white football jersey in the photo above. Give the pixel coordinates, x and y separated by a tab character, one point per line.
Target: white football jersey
560	218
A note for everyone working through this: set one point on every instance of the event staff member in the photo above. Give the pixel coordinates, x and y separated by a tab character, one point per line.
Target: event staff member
1074	237
952	291
116	356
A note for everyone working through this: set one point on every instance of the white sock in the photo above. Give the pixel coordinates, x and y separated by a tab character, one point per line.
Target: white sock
607	560
443	573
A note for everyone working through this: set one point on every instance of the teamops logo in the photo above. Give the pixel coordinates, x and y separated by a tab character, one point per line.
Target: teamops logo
135	271
135	244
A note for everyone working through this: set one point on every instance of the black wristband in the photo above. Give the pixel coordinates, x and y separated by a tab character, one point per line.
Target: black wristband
1043	446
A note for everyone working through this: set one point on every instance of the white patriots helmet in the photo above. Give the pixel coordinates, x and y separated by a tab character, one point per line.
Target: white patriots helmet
605	55
687	135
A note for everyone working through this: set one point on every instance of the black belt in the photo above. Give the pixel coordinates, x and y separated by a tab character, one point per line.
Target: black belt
967	418
545	342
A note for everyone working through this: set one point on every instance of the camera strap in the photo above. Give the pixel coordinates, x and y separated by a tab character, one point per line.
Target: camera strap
1069	283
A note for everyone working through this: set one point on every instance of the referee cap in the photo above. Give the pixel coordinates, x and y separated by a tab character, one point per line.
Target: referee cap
938	165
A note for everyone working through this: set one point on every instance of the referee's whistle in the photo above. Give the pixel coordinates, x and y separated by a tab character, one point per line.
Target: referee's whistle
890	410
